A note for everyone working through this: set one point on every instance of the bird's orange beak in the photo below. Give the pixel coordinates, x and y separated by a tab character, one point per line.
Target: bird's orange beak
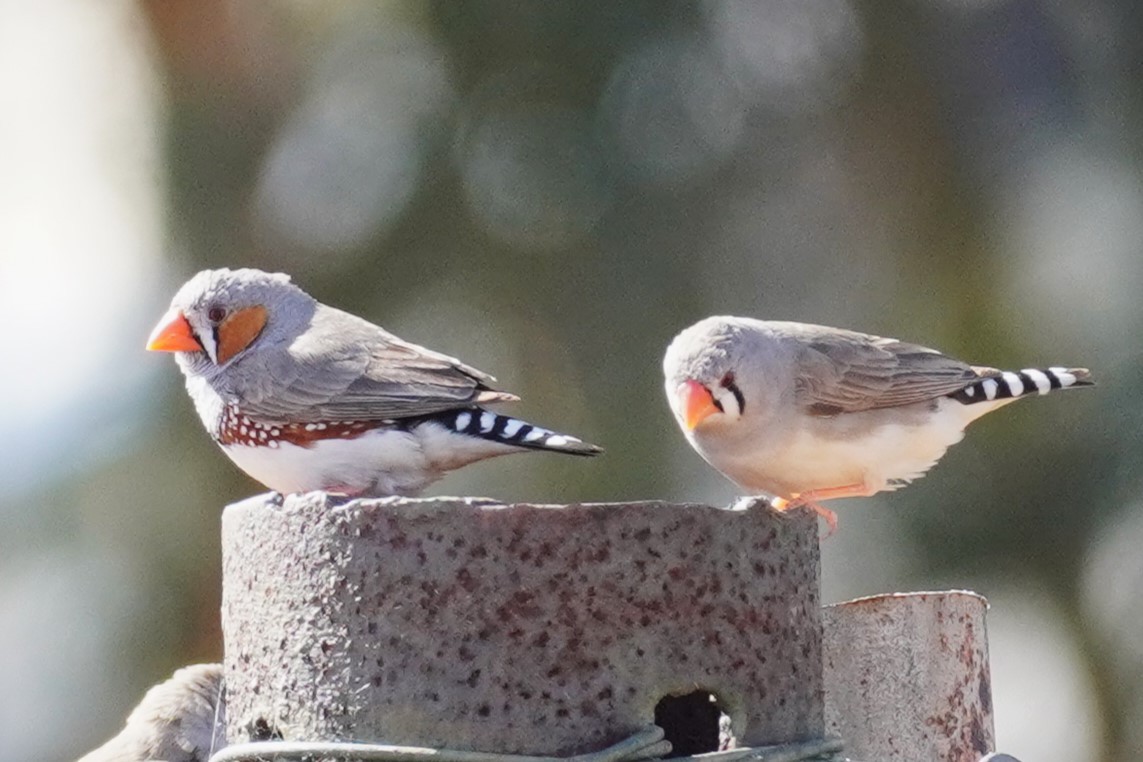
173	334
698	404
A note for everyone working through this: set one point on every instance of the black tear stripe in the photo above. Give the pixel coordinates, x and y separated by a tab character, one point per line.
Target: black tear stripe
738	396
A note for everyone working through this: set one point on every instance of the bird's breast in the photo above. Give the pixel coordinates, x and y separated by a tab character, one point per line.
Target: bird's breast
879	448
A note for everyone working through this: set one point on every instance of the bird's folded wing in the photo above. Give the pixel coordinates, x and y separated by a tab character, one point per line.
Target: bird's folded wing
845	372
348	369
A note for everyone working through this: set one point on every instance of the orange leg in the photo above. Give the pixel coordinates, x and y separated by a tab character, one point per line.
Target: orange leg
810	500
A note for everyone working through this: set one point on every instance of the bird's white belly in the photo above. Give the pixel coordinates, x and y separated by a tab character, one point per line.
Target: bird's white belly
384	461
379	462
874	448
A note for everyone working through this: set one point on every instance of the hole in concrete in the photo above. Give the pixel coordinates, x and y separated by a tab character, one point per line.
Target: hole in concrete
694	724
262	730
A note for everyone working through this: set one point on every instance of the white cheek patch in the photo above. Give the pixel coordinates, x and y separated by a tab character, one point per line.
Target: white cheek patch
206	338
729	402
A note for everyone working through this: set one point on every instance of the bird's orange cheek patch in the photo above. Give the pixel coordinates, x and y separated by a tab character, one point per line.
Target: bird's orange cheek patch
237	331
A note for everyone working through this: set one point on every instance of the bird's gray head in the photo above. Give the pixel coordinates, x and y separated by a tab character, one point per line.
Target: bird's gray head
220	315
709	369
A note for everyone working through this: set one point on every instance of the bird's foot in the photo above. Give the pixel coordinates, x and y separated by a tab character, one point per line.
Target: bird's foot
806	501
813	498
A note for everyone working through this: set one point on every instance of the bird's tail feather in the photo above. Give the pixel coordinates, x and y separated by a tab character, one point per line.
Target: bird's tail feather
485	424
994	385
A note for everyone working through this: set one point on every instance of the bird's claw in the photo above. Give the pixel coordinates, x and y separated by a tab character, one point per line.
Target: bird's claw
800	501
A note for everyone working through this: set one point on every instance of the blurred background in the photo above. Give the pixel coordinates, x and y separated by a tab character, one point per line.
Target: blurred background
550	192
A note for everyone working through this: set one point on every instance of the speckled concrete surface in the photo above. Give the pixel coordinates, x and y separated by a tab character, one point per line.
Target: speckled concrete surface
519	629
907	677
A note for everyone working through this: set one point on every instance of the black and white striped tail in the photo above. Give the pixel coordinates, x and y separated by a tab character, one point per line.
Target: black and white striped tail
1002	385
501	428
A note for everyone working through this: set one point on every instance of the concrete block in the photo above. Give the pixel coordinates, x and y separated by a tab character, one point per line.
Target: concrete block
527	629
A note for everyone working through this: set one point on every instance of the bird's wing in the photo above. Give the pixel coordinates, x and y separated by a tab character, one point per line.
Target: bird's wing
346	369
844	372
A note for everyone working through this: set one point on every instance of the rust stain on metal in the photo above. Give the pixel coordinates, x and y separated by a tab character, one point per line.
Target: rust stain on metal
907	677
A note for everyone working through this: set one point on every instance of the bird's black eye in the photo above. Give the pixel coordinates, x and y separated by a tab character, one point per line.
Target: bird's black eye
215	314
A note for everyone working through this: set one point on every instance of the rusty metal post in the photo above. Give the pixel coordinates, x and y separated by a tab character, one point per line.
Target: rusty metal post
524	629
907	677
